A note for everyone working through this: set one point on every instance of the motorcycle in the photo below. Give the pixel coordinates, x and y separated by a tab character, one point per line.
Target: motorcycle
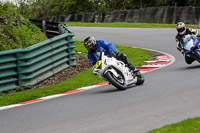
191	48
116	72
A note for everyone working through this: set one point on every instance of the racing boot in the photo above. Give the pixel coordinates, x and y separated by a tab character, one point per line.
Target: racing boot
133	68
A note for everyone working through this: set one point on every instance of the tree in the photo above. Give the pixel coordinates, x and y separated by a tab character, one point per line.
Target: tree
71	6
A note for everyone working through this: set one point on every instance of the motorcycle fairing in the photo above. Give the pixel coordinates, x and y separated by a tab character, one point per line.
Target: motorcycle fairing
110	64
191	46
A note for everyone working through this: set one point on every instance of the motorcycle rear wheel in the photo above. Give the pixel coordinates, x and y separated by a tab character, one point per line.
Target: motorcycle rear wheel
140	78
118	83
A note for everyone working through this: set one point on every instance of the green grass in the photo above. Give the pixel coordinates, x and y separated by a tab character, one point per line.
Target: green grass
191	125
129	25
85	78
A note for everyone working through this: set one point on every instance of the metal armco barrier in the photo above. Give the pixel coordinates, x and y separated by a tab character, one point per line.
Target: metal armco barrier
8	70
165	15
29	66
51	29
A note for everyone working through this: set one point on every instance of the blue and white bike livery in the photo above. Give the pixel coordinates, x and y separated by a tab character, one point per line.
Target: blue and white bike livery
191	47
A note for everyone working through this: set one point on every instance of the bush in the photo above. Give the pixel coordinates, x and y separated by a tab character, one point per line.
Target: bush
16	31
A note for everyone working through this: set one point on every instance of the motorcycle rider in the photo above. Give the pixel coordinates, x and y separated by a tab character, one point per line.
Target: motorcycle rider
95	47
183	30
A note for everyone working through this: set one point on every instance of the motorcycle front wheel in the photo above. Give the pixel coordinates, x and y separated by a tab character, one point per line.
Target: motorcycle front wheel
118	82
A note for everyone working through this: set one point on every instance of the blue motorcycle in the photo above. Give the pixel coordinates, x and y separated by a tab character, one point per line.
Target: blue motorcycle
191	48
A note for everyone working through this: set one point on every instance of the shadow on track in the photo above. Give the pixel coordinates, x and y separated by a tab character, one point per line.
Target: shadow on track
193	67
112	89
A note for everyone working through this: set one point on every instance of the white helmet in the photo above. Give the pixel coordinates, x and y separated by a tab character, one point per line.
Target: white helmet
181	28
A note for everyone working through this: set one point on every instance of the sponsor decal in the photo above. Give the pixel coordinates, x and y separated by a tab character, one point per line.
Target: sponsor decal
106	42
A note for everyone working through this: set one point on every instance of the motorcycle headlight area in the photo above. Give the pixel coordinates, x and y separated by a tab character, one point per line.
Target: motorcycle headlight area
188	45
98	64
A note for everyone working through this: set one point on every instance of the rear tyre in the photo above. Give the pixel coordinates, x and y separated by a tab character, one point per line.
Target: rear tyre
140	78
118	82
188	60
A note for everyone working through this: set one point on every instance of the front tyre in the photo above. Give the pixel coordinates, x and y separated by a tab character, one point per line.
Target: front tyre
118	82
140	78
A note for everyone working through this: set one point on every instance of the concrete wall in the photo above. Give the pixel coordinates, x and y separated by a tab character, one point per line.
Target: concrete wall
166	15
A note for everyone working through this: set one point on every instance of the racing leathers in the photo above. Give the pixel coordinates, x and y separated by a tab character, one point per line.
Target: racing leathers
180	42
109	49
179	39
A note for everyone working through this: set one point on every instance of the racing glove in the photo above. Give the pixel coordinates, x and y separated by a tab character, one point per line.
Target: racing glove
182	52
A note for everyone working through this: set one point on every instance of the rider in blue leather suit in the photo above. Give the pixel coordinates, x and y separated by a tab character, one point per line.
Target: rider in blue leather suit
95	47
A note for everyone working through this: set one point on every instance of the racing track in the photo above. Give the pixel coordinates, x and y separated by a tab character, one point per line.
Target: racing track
169	94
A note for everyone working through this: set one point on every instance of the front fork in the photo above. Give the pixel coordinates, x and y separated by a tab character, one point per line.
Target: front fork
195	54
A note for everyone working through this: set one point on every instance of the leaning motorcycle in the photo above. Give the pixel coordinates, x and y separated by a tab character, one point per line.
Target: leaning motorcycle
116	72
191	47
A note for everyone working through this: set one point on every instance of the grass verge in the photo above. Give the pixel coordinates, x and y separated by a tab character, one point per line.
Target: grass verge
85	78
186	126
128	25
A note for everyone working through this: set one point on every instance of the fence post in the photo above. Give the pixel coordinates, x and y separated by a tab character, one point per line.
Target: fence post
44	27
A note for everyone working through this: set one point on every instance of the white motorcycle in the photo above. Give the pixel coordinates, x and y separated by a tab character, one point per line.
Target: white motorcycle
116	72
